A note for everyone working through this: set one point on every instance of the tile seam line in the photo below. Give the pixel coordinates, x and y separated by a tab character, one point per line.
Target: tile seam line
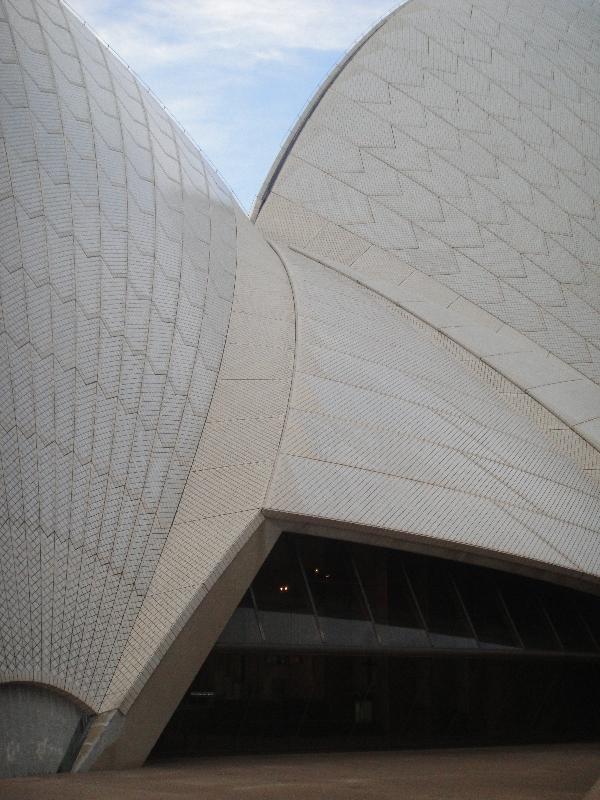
504	505
82	668
464	251
115	674
325	88
449	416
93	127
145	86
52	636
443	332
14	638
414	438
279	254
127	247
156	435
309	110
311	107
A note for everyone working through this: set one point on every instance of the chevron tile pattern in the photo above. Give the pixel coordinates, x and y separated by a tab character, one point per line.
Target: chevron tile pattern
407	340
387	429
225	493
117	268
456	156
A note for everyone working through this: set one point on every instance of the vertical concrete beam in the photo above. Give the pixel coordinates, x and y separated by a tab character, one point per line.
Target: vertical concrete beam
145	720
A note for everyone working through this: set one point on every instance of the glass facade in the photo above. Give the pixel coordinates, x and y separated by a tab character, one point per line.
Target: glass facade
340	595
338	646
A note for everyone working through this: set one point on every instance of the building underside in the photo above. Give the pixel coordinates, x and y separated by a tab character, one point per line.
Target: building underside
338	645
326	478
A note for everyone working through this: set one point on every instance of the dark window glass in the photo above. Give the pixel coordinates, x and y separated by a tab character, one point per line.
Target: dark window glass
270	702
436	595
589	607
242	628
569	626
384	580
279	586
415	602
285	612
484	605
522	600
331	578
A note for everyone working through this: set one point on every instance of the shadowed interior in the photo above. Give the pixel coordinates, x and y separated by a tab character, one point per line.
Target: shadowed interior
338	645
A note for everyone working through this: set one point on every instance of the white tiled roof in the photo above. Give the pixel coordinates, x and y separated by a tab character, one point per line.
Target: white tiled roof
117	269
418	352
455	158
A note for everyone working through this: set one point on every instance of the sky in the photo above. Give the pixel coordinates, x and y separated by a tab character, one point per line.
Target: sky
235	73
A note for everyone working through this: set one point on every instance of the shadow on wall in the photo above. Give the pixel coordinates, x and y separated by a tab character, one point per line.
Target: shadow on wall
40	730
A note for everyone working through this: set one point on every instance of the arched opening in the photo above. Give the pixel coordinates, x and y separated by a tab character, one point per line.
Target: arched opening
338	645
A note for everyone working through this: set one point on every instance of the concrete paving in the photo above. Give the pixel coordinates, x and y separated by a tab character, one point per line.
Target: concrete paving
526	773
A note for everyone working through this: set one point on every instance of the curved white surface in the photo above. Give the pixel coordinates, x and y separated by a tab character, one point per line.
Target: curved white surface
221	505
444	187
454	159
389	429
117	268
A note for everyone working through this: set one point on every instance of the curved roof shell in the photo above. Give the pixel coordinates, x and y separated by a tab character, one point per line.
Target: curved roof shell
413	359
453	160
392	426
119	259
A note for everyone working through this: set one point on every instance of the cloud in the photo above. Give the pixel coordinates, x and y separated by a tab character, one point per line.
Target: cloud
235	73
169	31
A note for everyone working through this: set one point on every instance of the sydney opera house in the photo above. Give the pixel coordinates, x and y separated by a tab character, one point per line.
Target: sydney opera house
325	478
